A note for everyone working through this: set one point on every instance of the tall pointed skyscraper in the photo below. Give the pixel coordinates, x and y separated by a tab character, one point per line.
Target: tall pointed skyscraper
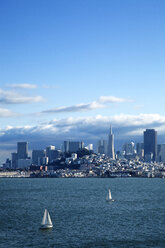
111	152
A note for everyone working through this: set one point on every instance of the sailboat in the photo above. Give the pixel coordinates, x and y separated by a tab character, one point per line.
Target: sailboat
46	221
109	197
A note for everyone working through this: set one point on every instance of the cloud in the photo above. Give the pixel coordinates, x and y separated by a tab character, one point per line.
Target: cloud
100	103
6	113
112	99
23	86
75	108
86	128
11	97
48	86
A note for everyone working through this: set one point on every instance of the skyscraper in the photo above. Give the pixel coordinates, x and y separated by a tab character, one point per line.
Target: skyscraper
73	146
110	150
14	159
129	148
140	150
150	143
22	150
102	147
50	153
37	156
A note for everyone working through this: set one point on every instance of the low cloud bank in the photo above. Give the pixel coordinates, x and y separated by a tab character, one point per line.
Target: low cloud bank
91	128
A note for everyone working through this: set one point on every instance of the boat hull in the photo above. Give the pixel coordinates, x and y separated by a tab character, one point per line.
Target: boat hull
46	226
110	200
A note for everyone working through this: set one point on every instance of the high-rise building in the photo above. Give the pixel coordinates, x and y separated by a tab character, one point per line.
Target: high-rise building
50	153
22	150
14	159
37	156
102	147
73	146
129	148
159	147
140	150
24	163
162	153
66	146
150	143
110	150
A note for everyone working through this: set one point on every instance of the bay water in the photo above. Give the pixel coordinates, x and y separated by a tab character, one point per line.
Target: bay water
80	213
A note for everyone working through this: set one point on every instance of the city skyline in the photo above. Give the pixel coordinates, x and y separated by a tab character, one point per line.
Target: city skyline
148	150
69	69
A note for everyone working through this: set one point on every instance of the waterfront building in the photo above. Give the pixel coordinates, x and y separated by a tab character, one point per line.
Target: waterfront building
22	150
150	143
110	150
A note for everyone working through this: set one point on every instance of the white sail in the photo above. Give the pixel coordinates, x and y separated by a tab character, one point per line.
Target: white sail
49	219
110	197
46	221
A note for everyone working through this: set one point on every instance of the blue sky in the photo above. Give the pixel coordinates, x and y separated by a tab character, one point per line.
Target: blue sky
69	69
